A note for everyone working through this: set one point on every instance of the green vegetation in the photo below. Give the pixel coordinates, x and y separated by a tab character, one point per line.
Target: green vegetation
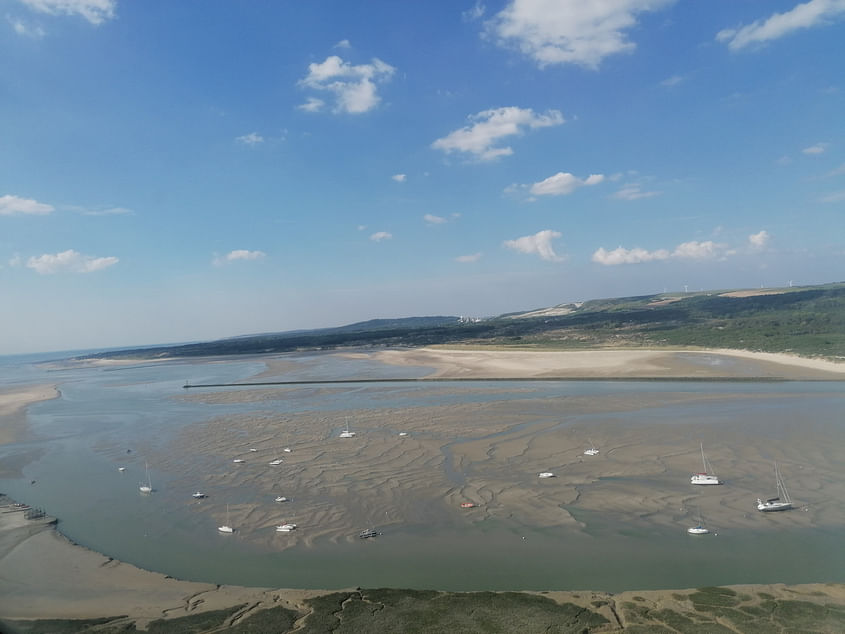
808	321
385	611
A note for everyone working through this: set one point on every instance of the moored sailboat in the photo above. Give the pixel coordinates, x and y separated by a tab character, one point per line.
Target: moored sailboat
707	476
146	487
227	527
780	503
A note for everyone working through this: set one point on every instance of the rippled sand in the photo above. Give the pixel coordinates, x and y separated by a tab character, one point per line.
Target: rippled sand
490	454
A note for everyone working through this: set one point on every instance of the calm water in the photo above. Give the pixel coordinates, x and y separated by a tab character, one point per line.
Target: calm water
82	436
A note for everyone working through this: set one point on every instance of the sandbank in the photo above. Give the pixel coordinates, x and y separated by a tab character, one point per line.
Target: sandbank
13	404
625	363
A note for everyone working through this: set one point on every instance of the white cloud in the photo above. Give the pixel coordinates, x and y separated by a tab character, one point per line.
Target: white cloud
95	11
489	126
581	32
472	257
251	139
835	197
243	254
312	105
633	192
11	205
109	211
837	172
674	80
69	261
399	178
759	240
434	220
692	250
818	148
621	255
784	160
238	254
540	243
695	250
343	44
24	29
563	183
378	236
475	12
802	16
354	87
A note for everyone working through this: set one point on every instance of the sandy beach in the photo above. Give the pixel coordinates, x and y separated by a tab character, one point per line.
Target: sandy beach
13	404
632	364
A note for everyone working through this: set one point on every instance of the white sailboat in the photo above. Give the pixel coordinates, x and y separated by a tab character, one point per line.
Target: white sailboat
707	476
148	486
276	462
592	451
227	527
780	503
546	474
346	433
286	528
699	528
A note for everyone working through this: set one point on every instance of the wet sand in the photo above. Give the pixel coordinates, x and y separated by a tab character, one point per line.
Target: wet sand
490	454
487	453
44	575
13	404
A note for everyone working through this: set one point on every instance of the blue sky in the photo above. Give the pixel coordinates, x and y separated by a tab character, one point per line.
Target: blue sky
174	171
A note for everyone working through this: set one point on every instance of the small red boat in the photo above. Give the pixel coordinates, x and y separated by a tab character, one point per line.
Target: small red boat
468	505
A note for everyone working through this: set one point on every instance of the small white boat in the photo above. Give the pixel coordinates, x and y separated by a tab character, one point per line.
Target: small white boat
253	450
238	460
592	451
276	462
198	495
227	527
121	468
368	532
699	528
146	487
281	498
707	476
285	528
780	503
346	433
286	449
546	474
403	433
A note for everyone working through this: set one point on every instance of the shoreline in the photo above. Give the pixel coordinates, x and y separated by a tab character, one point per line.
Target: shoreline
44	575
